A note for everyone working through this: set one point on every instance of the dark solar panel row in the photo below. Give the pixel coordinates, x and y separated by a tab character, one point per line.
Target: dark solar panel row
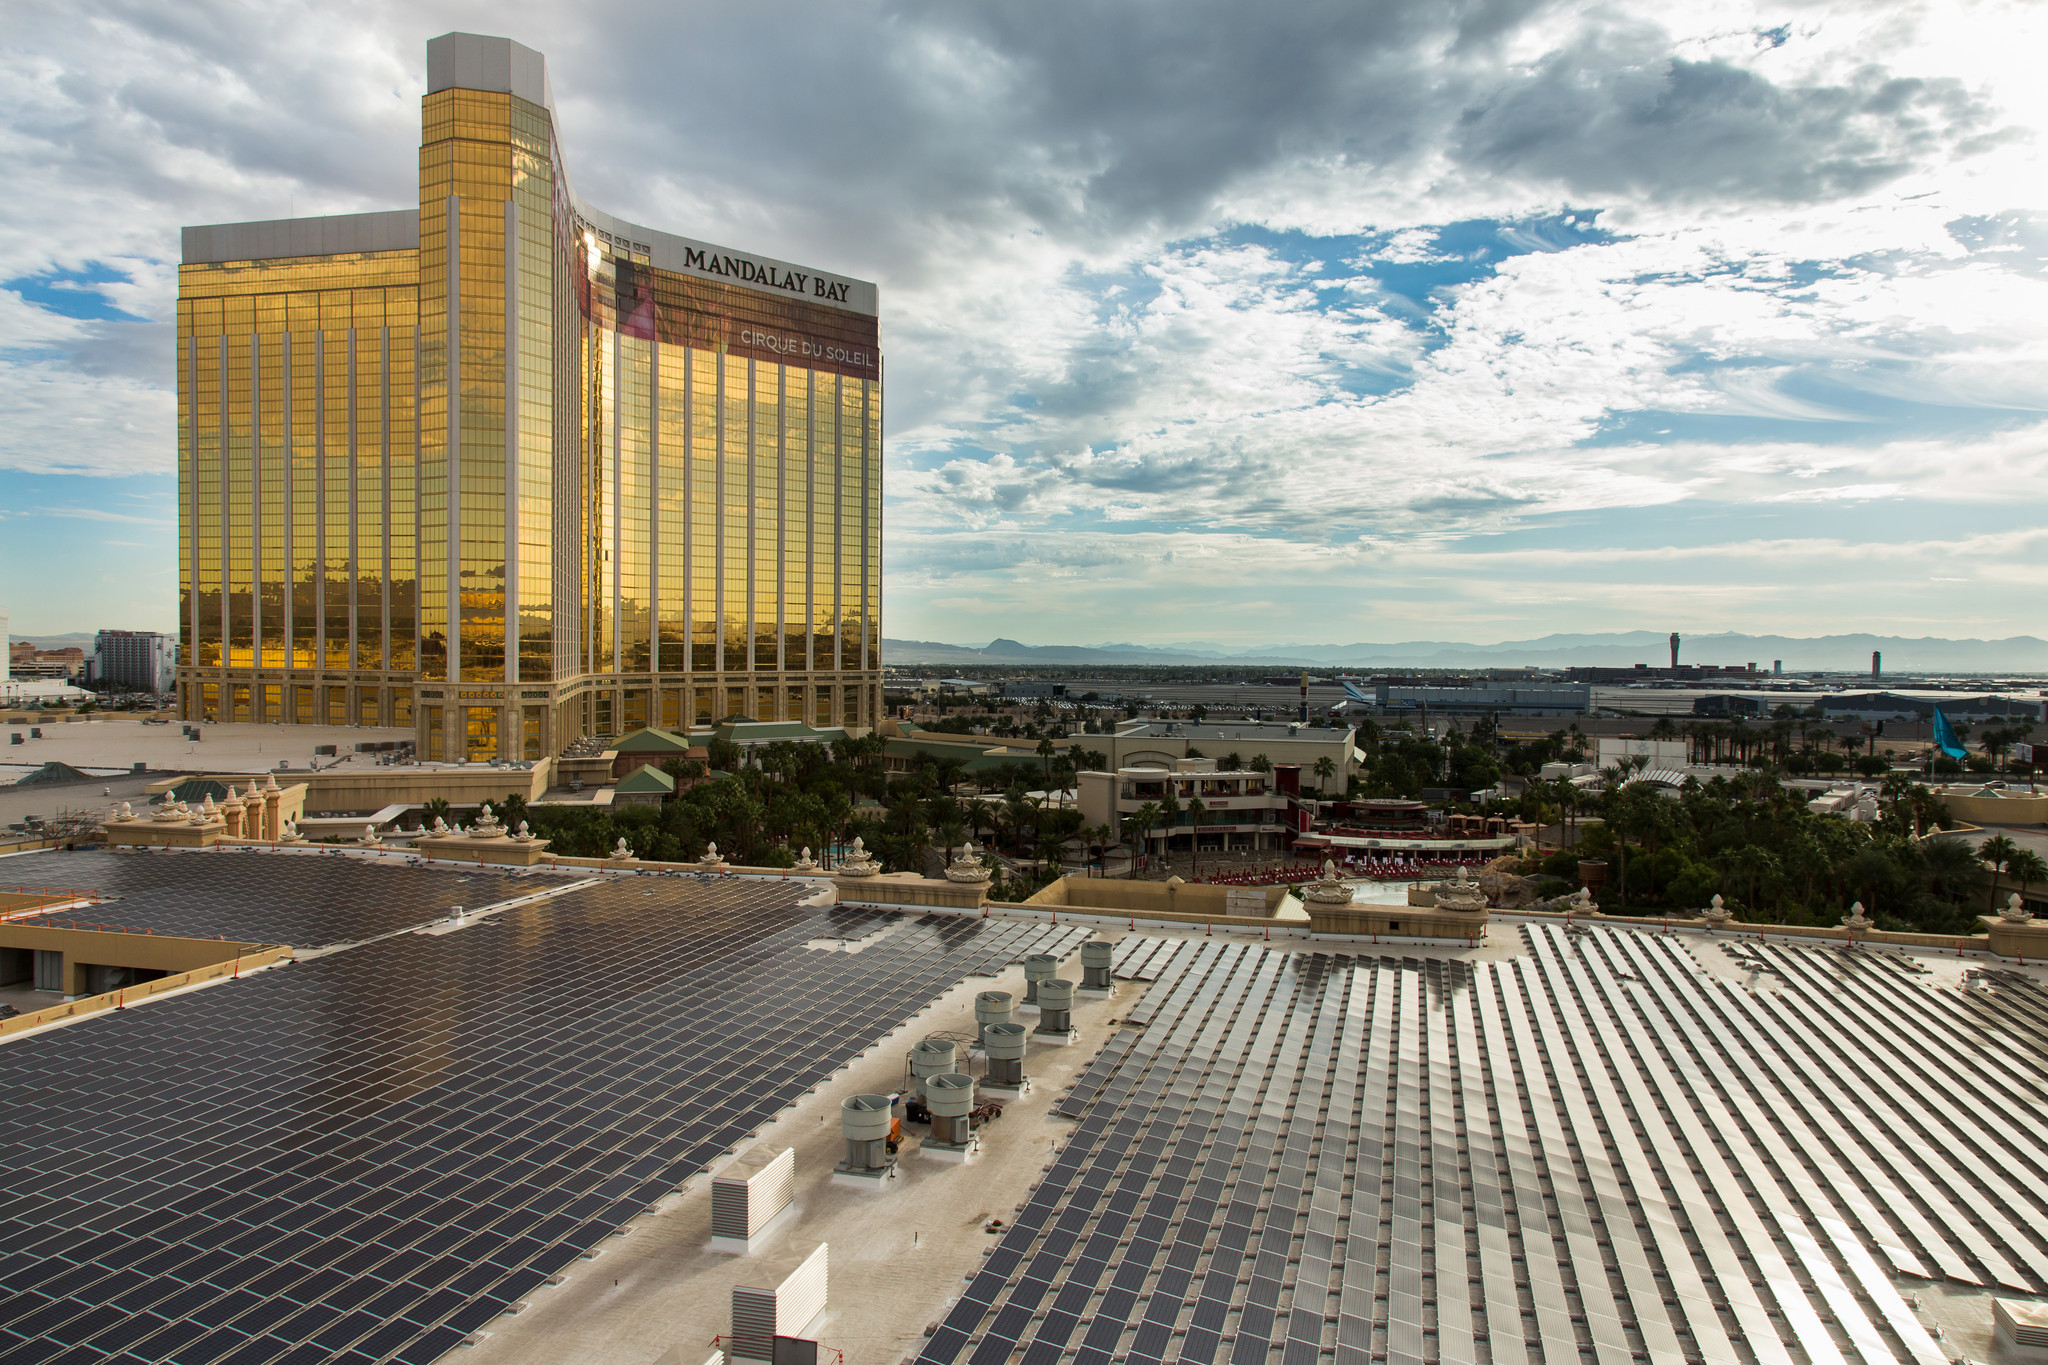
1592	1149
370	1155
307	899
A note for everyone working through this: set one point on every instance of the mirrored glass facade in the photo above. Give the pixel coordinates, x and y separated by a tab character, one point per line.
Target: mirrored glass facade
511	471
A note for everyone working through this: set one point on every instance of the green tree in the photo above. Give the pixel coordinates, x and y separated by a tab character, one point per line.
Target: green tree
1952	871
2027	868
1169	815
1999	851
1197	808
1138	829
1325	769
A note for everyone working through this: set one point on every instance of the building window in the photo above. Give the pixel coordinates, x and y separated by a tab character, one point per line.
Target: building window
481	733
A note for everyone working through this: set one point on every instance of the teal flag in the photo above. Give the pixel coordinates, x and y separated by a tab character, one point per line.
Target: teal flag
1945	736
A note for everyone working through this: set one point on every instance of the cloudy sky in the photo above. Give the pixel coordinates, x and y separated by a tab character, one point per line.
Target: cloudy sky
1241	324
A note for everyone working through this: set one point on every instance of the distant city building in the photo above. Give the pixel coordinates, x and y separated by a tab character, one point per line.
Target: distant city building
1164	743
1660	753
1241	810
1896	706
1518	699
510	471
1674	649
145	660
1876	664
1676	673
25	661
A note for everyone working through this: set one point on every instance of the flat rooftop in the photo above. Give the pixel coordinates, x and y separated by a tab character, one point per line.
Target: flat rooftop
1245	730
115	743
373	1154
498	1132
1572	1144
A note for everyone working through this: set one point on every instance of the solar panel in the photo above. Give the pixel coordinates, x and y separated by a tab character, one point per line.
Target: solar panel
1656	1161
356	1235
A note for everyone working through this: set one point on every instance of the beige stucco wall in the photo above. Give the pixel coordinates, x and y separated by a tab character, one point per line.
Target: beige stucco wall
2014	808
337	791
1120	896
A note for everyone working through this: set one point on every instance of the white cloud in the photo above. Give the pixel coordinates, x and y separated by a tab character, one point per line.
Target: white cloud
1085	332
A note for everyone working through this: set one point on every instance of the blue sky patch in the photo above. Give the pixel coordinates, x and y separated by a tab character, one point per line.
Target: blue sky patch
74	293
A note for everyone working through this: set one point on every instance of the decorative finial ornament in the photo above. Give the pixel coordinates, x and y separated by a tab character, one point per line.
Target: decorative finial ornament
2014	911
858	863
1856	919
967	866
1716	913
1327	889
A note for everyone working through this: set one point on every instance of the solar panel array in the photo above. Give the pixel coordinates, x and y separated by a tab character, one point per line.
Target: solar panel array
1592	1150
257	896
368	1156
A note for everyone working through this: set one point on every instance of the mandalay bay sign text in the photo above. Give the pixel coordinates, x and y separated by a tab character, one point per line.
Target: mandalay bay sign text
752	272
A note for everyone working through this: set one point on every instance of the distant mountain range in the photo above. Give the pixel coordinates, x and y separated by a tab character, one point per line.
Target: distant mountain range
83	639
1621	649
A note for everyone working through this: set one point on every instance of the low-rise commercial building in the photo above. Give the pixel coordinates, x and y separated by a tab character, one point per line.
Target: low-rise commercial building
1240	810
1477	699
1164	743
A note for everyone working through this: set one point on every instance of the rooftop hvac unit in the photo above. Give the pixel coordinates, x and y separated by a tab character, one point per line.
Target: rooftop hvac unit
991	1007
951	1100
748	1196
1055	1011
1038	967
1095	978
2021	1329
1005	1046
866	1122
931	1057
760	1315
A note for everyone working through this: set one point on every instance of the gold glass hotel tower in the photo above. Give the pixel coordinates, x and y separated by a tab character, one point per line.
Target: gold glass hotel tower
510	471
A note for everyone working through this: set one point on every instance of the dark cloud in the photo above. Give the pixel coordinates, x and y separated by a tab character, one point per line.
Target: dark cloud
1621	117
893	125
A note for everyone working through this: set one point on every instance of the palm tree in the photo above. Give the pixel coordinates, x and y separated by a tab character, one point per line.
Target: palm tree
1133	826
1016	811
1325	769
1144	819
1045	751
1951	869
1999	851
1169	815
2026	867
